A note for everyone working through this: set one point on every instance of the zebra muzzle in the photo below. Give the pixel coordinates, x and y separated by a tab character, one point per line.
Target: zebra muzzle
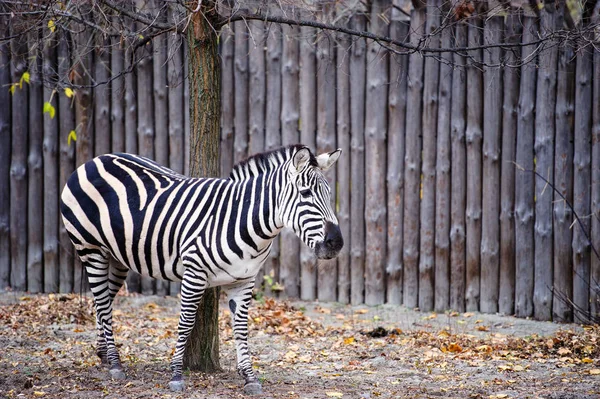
332	244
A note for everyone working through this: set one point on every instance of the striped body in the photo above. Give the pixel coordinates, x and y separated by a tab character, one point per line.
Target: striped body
204	232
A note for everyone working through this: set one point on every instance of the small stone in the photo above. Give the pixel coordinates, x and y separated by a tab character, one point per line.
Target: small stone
253	388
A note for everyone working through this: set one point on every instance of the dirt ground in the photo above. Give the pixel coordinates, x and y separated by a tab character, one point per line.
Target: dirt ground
300	350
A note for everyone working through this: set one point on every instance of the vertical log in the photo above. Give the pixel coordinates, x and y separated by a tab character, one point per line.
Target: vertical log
581	184
395	160
326	105
458	193
117	98
595	195
145	126
240	75
289	244
563	181
50	153
257	87
442	181
18	165
492	124
506	295
131	139
308	135
273	130
343	166
357	159
102	127
5	157
412	160
544	155
430	111
227	99
35	163
161	120
473	135
66	123
175	82
524	183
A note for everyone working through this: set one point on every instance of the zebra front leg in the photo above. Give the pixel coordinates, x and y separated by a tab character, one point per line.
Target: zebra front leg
97	268
239	296
192	289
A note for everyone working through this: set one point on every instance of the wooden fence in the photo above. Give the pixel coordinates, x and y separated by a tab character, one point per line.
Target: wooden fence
434	191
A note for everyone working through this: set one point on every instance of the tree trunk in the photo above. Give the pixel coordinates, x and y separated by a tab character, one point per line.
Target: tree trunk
35	200
412	161
524	183
595	233
458	192
544	155
357	158
442	182
5	137
430	111
202	350
492	130
506	295
308	134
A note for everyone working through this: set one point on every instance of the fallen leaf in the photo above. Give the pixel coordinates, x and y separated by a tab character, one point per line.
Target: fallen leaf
595	371
348	340
39	393
334	394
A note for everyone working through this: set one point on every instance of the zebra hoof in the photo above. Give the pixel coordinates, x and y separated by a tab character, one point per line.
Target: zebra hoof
253	388
117	374
176	385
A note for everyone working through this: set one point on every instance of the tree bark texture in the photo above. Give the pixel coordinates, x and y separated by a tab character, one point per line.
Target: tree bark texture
257	87
430	113
506	294
35	167
227	99
492	131
240	78
289	269
412	162
473	135
357	158
442	182
202	350
524	179
101	67
458	192
544	155
595	195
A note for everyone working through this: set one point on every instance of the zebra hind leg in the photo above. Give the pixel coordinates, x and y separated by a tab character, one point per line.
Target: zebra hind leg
239	296
117	277
97	267
192	289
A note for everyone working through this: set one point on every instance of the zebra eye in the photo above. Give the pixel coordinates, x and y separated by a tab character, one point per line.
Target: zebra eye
305	193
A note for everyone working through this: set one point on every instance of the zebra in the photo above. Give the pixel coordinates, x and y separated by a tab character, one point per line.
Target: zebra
204	232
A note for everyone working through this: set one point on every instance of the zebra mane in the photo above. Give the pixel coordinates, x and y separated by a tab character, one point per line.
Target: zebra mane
265	159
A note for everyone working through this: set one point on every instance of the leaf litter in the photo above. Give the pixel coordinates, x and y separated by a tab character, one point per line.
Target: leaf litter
300	350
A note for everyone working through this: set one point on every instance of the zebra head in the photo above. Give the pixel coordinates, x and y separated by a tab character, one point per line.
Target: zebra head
307	203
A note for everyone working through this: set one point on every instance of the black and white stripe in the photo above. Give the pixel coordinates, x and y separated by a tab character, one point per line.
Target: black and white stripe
204	232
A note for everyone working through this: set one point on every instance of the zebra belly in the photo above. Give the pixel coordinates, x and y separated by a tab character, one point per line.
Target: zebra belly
241	270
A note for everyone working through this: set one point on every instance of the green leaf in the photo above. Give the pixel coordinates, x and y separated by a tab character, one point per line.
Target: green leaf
25	77
51	26
69	92
72	136
12	88
49	108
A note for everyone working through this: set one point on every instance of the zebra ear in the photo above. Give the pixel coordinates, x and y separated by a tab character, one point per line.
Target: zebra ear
301	158
326	160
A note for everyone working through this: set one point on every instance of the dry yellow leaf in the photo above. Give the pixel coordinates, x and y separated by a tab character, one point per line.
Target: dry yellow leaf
348	340
39	393
334	394
361	311
595	371
454	347
587	360
564	351
290	355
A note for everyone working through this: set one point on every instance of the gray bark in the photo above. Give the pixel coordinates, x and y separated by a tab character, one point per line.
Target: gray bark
240	78
5	157
257	87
